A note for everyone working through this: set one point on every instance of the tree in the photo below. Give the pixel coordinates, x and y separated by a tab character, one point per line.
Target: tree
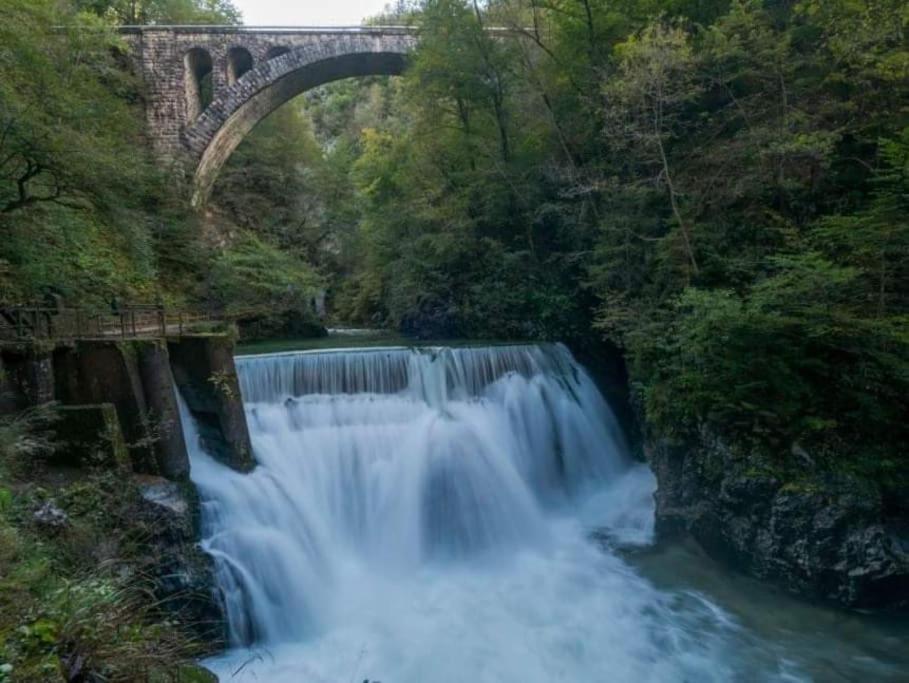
68	131
142	12
655	79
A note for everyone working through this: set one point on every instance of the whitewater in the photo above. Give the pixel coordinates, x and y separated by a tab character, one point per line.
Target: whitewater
445	515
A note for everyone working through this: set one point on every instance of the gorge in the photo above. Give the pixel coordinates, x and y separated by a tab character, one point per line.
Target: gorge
637	409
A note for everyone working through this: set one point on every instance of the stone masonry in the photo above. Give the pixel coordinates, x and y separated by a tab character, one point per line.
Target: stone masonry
207	87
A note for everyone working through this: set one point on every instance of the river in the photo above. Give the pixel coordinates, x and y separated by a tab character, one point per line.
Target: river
443	515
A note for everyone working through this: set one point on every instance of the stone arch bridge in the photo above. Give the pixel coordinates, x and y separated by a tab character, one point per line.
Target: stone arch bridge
208	86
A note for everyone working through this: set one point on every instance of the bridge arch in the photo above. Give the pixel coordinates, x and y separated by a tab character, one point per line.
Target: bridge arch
239	107
239	63
198	67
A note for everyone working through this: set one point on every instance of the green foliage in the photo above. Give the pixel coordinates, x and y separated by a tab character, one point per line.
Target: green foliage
754	365
66	603
255	275
135	12
83	210
68	134
717	187
793	324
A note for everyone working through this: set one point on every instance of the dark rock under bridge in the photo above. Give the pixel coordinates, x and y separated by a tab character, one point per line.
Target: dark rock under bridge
208	86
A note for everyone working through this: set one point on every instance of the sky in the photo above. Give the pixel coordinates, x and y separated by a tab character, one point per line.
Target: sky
307	12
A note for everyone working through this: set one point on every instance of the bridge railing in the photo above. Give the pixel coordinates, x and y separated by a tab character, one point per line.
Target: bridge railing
239	28
26	323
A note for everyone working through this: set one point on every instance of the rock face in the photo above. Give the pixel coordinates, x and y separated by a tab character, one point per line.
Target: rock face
181	572
820	535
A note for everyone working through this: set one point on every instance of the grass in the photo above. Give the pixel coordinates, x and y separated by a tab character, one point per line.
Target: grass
73	602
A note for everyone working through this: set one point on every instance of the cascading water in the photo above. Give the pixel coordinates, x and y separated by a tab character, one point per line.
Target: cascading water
424	516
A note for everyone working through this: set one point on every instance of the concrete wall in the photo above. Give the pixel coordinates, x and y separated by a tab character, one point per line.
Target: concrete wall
135	377
204	370
26	377
138	379
90	435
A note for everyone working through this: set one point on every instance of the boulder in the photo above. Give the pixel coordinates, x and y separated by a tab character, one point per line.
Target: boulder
50	517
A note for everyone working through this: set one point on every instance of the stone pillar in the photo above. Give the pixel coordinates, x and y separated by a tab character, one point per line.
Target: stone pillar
163	412
203	367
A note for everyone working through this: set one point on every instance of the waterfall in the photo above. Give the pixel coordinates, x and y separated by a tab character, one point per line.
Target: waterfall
425	516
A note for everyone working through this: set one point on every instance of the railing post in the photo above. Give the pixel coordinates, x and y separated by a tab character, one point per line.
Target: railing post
78	323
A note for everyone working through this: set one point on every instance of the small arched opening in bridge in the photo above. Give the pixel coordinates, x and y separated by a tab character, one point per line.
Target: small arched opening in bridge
239	62
275	52
241	106
198	80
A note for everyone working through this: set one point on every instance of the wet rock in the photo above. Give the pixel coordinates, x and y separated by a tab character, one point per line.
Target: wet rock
165	493
50	517
196	674
182	573
820	535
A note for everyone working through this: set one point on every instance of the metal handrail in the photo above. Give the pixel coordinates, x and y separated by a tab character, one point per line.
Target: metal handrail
26	323
241	28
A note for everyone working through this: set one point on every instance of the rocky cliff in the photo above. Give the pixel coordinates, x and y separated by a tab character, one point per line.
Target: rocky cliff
825	535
